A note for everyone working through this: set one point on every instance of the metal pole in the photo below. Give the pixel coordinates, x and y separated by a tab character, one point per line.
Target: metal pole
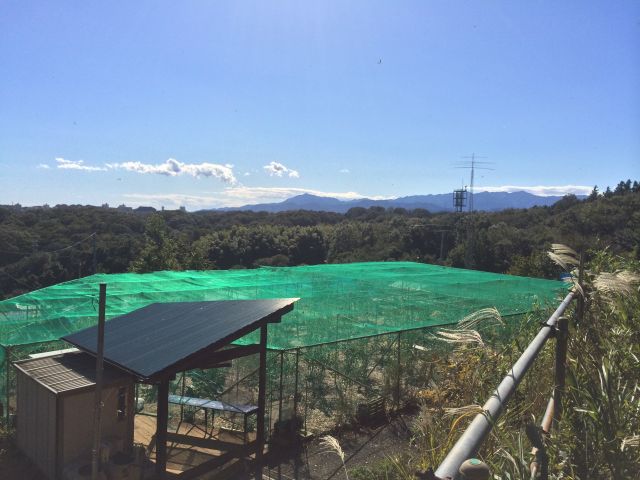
95	453
295	391
161	428
7	371
262	385
182	392
296	459
398	373
560	367
95	257
469	443
580	305
281	392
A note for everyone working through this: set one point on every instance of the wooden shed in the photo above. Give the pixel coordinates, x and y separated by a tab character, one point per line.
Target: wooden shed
56	410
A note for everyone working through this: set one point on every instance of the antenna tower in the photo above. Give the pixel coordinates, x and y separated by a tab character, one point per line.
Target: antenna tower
471	162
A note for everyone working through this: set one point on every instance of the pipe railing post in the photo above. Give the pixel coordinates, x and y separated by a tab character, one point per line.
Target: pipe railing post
471	440
562	333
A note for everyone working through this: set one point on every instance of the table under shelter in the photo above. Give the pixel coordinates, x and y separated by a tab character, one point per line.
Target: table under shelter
158	341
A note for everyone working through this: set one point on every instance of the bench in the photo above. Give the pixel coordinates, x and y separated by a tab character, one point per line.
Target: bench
214	405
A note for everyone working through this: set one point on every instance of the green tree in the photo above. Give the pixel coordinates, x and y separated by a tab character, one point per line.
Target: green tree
160	250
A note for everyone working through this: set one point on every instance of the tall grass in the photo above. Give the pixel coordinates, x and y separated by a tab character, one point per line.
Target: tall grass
599	433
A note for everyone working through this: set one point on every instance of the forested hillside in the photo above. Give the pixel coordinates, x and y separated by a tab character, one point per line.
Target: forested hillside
42	246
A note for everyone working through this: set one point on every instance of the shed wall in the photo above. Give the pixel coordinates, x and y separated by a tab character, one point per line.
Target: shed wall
77	421
36	429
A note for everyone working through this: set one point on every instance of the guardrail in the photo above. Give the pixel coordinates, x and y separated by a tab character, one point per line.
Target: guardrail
469	443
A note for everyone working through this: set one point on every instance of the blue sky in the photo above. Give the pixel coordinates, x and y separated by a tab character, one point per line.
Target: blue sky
208	104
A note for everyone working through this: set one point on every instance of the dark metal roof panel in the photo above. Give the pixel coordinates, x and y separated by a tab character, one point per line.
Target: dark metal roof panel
69	371
156	337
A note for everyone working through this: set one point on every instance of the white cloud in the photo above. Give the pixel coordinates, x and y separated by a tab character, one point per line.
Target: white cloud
171	200
43	166
233	197
279	170
173	167
540	190
344	170
65	164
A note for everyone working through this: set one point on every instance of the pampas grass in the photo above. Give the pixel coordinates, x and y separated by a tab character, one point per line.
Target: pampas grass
486	317
460	337
618	283
331	444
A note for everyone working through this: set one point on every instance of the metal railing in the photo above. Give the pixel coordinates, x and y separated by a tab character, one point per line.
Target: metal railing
469	443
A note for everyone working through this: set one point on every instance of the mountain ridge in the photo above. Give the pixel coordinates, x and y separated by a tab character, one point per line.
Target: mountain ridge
439	202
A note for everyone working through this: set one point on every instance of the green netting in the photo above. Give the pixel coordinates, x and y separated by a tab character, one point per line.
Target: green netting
338	302
350	338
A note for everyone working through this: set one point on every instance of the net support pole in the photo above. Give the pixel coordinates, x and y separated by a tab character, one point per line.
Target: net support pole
296	458
295	389
262	384
97	419
399	371
7	371
281	389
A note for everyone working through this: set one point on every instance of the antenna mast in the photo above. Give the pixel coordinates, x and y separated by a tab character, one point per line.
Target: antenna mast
474	165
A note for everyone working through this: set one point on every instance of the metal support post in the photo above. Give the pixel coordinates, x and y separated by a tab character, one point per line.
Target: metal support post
95	453
161	428
7	372
281	389
399	371
560	367
262	385
295	390
580	304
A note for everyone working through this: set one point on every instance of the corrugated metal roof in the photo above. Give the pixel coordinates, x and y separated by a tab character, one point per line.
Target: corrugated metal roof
68	371
154	338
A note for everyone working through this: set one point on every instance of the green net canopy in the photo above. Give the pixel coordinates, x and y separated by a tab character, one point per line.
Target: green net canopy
338	302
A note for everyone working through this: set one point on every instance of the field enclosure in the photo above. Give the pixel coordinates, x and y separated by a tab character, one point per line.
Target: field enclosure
357	335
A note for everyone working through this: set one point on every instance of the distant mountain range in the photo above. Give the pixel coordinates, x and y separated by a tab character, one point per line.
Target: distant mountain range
442	202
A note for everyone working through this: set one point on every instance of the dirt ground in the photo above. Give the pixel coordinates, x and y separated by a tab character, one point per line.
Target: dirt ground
362	447
14	465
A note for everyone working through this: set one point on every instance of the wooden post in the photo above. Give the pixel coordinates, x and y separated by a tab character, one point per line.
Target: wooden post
95	453
161	428
262	384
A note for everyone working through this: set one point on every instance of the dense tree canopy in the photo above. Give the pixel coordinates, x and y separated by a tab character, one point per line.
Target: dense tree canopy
41	246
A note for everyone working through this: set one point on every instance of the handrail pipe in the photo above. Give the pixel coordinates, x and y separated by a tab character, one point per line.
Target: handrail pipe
469	443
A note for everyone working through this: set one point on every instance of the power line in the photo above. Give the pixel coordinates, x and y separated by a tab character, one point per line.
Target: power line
93	235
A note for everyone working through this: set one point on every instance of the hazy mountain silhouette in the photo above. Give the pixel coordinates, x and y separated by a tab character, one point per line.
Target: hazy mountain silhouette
442	202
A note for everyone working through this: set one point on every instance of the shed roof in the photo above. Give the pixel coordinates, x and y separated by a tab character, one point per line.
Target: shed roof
68	371
153	340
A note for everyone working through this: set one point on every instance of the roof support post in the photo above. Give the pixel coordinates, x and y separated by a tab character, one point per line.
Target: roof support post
161	428
97	420
262	387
